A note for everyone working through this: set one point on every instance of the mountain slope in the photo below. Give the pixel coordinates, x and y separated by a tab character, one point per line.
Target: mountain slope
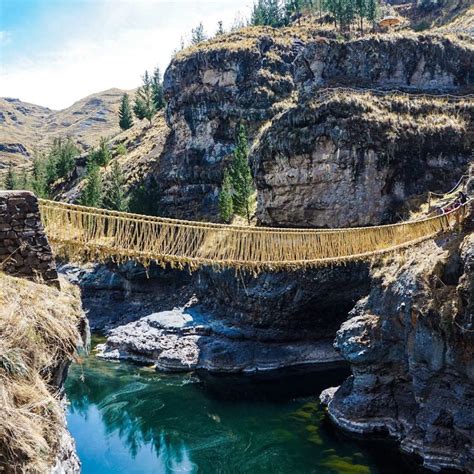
25	126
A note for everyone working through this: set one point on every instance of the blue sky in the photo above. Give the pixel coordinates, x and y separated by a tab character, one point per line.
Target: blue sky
54	52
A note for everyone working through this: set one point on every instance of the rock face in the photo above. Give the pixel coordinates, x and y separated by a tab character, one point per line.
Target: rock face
420	62
308	146
24	248
338	160
410	344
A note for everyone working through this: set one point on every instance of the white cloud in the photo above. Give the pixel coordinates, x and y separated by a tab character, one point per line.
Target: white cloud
122	41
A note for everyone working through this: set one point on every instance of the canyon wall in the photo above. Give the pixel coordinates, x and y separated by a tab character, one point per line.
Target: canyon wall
410	344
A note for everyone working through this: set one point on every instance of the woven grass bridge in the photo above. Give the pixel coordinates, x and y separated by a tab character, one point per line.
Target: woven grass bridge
89	234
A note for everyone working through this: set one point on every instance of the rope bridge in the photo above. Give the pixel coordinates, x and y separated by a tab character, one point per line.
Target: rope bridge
84	233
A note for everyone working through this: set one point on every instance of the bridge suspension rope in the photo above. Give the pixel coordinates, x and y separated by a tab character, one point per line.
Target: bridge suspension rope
88	234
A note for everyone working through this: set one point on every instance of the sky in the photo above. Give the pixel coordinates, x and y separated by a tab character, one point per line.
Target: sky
54	52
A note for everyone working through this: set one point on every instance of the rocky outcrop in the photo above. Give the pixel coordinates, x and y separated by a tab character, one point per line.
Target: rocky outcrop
305	148
224	322
420	62
344	159
186	339
410	344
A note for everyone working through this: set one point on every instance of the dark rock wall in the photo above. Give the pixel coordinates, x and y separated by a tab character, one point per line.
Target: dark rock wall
24	248
410	344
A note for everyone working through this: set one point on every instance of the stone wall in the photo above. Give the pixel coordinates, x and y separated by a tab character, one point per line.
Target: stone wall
24	248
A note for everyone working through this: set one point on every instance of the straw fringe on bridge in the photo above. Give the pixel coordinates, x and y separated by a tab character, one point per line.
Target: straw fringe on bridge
81	233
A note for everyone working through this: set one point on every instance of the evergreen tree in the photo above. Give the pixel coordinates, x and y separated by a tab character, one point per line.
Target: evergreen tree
268	12
220	28
100	155
144	105
198	35
241	176
24	180
157	90
38	179
125	113
372	11
92	192
145	198
63	154
360	7
11	180
226	206
114	197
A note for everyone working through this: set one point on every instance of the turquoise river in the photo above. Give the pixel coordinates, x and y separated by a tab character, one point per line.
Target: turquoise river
130	419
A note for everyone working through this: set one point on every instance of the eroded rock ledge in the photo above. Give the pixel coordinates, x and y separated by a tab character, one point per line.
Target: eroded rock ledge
410	344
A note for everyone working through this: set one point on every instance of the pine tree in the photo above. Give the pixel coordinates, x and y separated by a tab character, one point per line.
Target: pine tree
144	106
63	153
372	8
11	180
157	90
114	197
24	180
38	179
100	155
198	35
241	176
220	28
145	198
268	12
125	113
92	192
360	7
226	206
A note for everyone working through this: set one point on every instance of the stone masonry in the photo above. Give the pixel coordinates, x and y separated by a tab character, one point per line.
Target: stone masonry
24	248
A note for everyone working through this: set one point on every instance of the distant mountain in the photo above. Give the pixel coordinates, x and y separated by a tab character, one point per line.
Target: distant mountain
24	126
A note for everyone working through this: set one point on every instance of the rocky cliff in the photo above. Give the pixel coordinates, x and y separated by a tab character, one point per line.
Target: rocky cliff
301	138
410	344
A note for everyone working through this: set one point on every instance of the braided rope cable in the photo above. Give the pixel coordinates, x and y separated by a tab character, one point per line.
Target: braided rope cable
83	233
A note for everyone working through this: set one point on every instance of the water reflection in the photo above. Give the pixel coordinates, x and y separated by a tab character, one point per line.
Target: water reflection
128	419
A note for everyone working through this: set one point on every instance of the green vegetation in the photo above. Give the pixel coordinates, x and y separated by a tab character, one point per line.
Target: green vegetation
149	98
144	107
226	205
62	157
114	196
198	35
278	13
145	198
238	182
121	149
92	194
100	155
157	89
11	180
125	113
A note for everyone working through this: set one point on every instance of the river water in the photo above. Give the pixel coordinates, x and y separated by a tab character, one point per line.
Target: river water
130	419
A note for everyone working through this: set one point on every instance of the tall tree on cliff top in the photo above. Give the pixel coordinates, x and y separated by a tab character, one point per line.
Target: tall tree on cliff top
197	34
125	113
241	177
268	12
144	105
157	89
372	11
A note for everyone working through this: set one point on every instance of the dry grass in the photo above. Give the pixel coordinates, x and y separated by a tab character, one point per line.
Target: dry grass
38	333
